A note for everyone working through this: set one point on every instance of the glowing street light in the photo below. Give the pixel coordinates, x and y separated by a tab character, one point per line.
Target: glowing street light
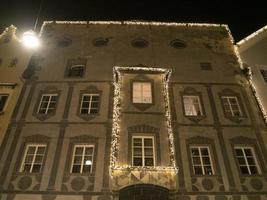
30	40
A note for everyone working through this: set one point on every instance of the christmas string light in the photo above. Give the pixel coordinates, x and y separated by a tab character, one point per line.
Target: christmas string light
252	35
116	121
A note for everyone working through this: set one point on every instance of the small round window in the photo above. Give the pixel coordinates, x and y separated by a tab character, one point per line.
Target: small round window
64	42
178	44
139	43
100	42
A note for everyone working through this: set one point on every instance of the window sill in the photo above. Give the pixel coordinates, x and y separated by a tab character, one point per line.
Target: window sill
142	106
195	119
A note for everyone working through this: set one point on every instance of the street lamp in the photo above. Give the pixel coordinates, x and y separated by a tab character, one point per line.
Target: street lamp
30	40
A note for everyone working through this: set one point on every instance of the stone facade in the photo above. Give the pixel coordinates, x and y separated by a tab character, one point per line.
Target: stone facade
118	54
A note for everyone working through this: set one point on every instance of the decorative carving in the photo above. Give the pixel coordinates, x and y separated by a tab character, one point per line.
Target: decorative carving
221	198
77	183
202	198
256	184
143	128
25	182
207	184
49	197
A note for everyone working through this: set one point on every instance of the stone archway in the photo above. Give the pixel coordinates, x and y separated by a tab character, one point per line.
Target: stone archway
144	192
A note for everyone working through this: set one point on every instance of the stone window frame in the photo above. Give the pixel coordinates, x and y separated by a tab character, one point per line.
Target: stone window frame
47	90
248	142
260	69
189	91
90	89
144	130
81	140
6	102
229	92
29	140
144	79
75	62
205	142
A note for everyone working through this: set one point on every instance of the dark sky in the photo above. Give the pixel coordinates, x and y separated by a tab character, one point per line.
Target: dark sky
242	18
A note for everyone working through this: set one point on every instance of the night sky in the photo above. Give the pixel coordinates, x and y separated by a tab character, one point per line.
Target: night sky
242	18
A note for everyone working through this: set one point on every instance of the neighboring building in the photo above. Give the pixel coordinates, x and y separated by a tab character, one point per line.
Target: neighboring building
252	50
104	117
14	59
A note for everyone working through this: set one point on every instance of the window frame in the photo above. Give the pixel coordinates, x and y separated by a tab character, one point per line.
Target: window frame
143	150
230	105
90	103
21	168
83	155
198	147
151	92
71	67
255	158
199	104
5	104
261	74
47	108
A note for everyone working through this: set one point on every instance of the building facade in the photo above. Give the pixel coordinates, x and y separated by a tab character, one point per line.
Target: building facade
14	59
252	52
135	110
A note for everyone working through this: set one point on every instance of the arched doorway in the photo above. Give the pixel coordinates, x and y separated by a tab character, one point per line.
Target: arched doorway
144	192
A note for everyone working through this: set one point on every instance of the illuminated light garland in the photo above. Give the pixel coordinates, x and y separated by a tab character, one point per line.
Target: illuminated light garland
116	121
252	86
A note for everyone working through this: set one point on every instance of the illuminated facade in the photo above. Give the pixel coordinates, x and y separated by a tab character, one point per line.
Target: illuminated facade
14	59
135	110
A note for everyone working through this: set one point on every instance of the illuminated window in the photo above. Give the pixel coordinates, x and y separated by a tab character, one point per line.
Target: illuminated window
47	104
246	160
201	160
3	100
142	92
82	160
264	74
76	71
33	158
231	106
89	104
143	151
192	105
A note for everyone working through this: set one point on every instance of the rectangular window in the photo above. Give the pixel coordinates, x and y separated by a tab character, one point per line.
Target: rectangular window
33	158
201	160
246	160
142	92
76	71
192	106
143	151
264	74
3	100
231	106
89	104
48	104
82	160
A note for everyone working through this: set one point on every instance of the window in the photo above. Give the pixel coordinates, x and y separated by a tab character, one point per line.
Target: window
192	106
76	71
33	158
231	106
264	74
3	100
246	160
201	160
142	92
82	160
89	104
206	66
143	151
47	104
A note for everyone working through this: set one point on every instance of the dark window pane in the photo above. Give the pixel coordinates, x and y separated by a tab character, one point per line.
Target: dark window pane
253	170
45	98
38	159
208	170
29	159
94	105
149	162
93	111
76	168
95	98
89	151
85	105
206	160
239	152
248	152
244	170
204	151
36	168
241	161
148	152
84	111
42	111
86	98
194	152
198	170
137	151
41	150
137	161
3	99
54	98
87	168
31	150
251	161
27	168
196	161
77	160
148	142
